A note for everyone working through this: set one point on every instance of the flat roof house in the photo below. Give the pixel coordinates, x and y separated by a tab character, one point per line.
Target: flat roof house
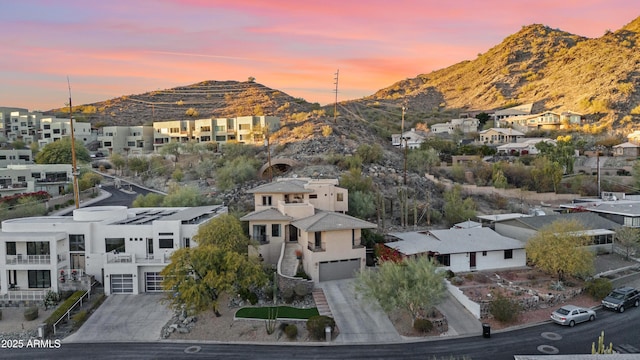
125	249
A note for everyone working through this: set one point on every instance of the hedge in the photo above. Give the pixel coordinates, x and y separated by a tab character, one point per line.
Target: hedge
63	308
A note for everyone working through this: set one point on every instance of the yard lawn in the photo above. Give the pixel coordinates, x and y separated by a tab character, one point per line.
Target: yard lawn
284	312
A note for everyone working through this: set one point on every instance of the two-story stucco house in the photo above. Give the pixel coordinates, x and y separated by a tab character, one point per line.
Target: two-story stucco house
308	214
125	249
498	136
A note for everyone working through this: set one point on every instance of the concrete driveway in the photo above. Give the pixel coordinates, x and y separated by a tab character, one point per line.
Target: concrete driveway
125	318
357	321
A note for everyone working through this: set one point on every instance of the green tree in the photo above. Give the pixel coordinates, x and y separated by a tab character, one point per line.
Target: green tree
89	179
150	200
138	164
562	152
174	149
117	161
628	238
235	172
59	152
182	196
18	145
197	277
635	172
362	204
455	208
422	160
546	174
413	285
353	180
369	153
224	231
560	248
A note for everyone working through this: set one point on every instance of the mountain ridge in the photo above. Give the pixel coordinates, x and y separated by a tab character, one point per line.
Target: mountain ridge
552	68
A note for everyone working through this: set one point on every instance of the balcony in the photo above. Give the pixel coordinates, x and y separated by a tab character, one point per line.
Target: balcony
153	259
119	258
261	239
315	248
53	180
25	295
15	185
28	259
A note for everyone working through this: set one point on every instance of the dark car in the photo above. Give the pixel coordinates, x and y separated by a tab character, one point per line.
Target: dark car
622	298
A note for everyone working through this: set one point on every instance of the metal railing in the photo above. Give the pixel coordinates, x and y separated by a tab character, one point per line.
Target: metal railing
68	313
262	239
28	259
315	248
119	258
33	295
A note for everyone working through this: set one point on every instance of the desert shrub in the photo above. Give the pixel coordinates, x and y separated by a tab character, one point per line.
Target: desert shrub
598	288
291	331
327	130
66	305
301	290
457	280
317	324
51	299
504	309
288	295
450	274
468	276
557	286
249	296
79	318
31	313
422	325
302	274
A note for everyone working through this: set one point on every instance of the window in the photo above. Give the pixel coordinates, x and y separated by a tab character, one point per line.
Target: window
484	253
266	200
313	196
275	230
244	127
39	278
221	138
38	248
219	128
165	243
205	128
508	254
444	260
3	157
114	244
11	248
56	131
107	144
76	242
339	197
131	143
22	178
165	234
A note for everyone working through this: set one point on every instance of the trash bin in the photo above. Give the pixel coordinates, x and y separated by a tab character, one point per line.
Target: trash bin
486	330
327	333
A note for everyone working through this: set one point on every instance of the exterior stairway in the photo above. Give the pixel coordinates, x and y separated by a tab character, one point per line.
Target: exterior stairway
321	302
289	260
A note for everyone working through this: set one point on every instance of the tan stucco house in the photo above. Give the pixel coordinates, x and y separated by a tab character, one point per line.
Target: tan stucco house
308	215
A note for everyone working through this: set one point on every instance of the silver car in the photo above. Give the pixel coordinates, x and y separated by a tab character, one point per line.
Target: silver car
571	315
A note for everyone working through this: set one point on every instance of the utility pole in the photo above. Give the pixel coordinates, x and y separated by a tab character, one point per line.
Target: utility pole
74	167
335	104
598	170
402	137
266	143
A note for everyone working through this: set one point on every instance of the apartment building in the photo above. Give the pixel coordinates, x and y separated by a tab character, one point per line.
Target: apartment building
308	214
23	126
15	156
26	178
132	140
5	120
243	129
53	129
125	249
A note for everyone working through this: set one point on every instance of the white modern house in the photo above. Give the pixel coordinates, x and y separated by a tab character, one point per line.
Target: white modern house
462	250
26	178
125	249
410	139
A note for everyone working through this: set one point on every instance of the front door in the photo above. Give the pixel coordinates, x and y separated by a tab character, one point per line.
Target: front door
77	261
472	260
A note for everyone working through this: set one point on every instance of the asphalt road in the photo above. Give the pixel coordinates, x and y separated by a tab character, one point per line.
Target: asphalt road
545	339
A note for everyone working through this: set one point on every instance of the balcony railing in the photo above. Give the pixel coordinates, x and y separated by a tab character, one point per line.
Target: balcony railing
15	185
53	180
119	258
153	259
262	239
33	295
28	259
315	248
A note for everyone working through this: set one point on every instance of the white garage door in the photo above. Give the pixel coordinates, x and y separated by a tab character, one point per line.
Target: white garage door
121	283
153	282
339	269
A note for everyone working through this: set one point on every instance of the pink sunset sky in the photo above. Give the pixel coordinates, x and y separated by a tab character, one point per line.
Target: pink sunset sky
125	47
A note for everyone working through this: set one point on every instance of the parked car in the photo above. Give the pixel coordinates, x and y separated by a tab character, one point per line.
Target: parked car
621	298
571	315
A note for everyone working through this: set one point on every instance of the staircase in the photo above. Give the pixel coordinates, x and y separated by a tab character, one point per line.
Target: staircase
321	302
289	260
